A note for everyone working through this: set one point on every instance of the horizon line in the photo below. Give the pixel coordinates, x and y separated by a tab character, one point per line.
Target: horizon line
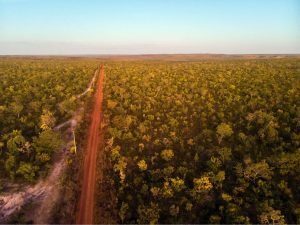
149	54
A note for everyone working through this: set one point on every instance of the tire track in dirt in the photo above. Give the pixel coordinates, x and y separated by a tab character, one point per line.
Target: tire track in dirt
86	201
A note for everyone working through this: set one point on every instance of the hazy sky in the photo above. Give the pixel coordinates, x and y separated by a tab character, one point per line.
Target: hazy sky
149	26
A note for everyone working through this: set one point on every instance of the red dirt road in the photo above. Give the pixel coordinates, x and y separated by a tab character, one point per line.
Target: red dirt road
86	202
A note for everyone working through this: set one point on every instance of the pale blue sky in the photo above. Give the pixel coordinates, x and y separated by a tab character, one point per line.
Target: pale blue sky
149	26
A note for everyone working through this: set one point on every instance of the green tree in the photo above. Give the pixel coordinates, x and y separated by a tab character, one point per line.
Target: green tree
45	145
148	214
224	130
167	154
27	170
47	120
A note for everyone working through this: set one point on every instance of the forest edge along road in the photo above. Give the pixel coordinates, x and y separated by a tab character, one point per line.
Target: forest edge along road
86	201
46	191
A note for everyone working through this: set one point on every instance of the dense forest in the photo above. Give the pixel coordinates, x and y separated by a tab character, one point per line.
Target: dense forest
35	96
215	141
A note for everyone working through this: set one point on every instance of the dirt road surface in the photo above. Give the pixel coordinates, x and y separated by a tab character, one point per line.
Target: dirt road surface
86	202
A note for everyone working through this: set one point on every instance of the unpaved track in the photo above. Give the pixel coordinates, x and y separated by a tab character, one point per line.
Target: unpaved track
73	121
86	202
